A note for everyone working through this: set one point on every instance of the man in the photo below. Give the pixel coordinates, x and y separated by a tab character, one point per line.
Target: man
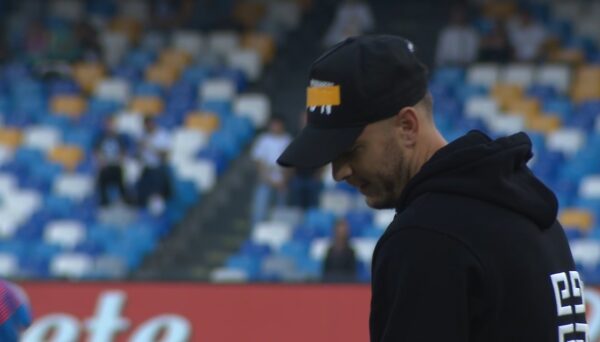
474	252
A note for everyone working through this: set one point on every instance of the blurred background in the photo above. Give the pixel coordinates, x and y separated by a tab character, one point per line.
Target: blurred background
138	138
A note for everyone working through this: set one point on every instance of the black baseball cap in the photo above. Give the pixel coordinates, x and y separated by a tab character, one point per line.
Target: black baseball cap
356	82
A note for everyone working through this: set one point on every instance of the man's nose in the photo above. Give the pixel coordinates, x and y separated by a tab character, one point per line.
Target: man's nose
341	170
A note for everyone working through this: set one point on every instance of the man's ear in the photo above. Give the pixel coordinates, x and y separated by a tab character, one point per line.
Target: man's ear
406	124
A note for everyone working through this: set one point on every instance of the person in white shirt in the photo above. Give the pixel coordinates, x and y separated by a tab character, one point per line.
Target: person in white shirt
458	43
352	18
154	184
272	180
527	37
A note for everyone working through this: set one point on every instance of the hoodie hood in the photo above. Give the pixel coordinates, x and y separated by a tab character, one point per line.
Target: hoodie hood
494	171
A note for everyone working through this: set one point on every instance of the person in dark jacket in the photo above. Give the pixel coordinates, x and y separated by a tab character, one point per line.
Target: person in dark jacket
474	253
340	261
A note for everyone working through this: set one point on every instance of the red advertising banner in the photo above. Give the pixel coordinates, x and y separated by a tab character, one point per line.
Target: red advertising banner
177	312
190	312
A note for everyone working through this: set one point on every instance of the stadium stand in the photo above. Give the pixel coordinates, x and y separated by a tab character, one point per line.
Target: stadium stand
556	101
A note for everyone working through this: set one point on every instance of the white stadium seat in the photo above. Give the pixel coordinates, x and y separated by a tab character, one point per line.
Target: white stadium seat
44	138
271	233
228	275
247	60
506	124
257	107
555	75
71	265
114	89
566	140
363	247
130	123
318	248
200	171
338	202
586	252
483	74
482	107
65	233
217	89
9	265
114	46
186	143
589	187
223	42
518	74
74	186
191	42
382	218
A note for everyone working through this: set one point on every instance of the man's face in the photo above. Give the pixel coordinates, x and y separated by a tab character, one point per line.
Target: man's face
376	165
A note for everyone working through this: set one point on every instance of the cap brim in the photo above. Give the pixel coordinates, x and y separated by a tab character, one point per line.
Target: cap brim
315	147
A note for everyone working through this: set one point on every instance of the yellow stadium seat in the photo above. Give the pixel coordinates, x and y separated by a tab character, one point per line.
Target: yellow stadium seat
577	218
499	9
588	73
176	59
585	91
69	156
261	42
10	137
147	105
568	56
205	122
162	74
546	123
248	14
506	93
70	105
527	107
130	27
87	75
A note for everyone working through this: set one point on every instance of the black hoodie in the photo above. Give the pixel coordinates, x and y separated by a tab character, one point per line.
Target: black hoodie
475	253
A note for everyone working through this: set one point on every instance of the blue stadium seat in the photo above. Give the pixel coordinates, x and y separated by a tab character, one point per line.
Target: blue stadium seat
63	87
196	74
358	221
249	264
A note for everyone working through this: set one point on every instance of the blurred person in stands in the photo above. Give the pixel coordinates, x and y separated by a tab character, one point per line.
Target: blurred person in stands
306	184
475	249
154	184
494	45
353	17
15	312
527	37
109	150
458	42
340	261
272	180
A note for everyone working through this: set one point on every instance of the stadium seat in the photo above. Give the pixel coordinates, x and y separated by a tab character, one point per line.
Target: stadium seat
175	59
254	106
566	140
41	137
147	105
191	42
186	143
483	74
335	201
162	74
590	187
318	248
518	74
506	93
481	107
65	233
586	252
88	75
74	186
202	172
262	43
554	75
247	60
71	265
223	42
109	267
10	138
69	156
228	275
130	123
506	124
290	215
205	122
113	89
217	90
70	105
526	107
383	218
363	248
9	265
272	233
577	218
544	123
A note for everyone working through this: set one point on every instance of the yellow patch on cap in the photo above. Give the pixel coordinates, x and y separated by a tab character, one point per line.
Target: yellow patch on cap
323	96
